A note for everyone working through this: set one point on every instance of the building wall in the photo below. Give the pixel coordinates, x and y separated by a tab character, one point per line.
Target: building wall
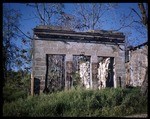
43	47
136	67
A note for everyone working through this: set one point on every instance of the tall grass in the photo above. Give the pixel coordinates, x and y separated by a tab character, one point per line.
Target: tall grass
78	103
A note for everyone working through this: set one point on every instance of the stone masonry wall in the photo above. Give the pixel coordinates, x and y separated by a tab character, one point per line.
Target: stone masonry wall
136	67
43	47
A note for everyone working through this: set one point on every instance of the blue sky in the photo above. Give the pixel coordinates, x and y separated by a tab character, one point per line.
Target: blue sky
111	20
28	21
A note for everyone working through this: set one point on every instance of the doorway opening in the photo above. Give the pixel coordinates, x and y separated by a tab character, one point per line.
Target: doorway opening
56	72
105	72
81	71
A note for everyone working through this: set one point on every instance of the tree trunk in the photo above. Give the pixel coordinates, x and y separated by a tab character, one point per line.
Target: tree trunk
144	87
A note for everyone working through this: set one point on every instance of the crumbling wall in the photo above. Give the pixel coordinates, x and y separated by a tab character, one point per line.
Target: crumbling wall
69	43
43	47
136	67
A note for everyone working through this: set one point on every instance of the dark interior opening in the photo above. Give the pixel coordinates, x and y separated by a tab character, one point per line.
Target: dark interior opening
110	77
55	78
110	80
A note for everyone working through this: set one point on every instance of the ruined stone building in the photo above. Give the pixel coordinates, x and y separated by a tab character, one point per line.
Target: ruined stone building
65	58
136	63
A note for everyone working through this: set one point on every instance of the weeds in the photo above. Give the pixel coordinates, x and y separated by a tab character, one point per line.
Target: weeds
79	103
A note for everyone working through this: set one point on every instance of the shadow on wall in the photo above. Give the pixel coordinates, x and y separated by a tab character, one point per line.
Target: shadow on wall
36	86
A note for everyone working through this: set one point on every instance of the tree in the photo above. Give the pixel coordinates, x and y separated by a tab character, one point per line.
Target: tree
48	13
84	17
10	50
144	20
132	21
14	57
138	20
142	25
90	15
17	86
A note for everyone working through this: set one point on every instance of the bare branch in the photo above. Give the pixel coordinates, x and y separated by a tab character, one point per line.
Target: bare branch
23	33
40	15
124	26
136	13
143	13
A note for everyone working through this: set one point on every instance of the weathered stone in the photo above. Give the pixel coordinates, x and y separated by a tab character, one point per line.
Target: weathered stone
69	57
42	82
38	59
40	63
68	82
76	44
144	86
42	87
136	67
40	68
40	72
94	75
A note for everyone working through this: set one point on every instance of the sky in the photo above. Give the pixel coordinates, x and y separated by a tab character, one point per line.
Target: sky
28	21
110	20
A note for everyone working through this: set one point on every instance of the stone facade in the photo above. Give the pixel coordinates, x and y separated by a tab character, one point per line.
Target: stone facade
136	66
48	44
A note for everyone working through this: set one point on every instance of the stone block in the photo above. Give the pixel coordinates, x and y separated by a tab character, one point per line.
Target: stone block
38	59
40	72
40	68
42	82
69	57
40	63
68	81
94	74
38	77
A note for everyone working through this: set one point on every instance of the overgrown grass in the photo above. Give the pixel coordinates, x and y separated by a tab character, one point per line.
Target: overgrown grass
108	102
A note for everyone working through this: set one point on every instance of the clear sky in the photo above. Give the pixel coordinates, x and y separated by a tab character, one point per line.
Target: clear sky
111	18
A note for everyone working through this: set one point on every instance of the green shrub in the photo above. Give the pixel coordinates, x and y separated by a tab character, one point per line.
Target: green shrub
12	94
16	86
79	103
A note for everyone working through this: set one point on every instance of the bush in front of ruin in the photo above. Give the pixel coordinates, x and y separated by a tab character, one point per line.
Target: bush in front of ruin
79	103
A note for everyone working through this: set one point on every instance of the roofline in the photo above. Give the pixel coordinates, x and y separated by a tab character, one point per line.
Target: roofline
69	35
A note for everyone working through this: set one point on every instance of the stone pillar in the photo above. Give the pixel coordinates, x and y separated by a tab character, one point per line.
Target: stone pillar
68	80
120	67
94	75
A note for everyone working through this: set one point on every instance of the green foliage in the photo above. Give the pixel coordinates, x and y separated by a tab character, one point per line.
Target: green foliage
79	103
17	86
76	79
